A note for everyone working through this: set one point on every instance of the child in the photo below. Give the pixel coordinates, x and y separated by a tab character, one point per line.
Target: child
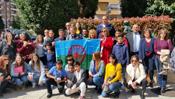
120	50
50	56
57	77
79	85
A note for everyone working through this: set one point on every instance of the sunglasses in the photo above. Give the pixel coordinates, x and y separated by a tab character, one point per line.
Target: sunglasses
69	59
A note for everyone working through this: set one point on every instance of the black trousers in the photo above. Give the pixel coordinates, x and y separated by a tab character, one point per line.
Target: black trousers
4	85
50	82
143	84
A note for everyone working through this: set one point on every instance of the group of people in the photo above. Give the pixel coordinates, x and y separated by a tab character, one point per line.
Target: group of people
124	60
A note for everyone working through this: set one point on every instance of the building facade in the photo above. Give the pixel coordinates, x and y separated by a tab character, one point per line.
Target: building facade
7	12
110	8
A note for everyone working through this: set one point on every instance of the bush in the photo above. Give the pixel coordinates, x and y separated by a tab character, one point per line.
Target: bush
153	22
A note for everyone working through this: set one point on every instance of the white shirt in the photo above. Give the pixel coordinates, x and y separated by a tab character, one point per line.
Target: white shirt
136	42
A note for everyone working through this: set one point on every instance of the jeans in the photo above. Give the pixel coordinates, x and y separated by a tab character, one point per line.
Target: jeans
114	87
148	63
162	79
97	81
21	80
50	82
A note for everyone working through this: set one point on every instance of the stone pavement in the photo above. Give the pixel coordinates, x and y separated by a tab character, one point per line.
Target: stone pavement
41	93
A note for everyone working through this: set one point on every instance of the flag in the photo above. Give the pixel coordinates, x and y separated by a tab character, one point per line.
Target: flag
81	50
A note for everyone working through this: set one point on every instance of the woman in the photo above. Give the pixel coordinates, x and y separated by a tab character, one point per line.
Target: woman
5	77
113	76
25	47
19	71
106	45
146	54
8	47
37	76
162	45
78	28
92	34
136	75
39	48
96	71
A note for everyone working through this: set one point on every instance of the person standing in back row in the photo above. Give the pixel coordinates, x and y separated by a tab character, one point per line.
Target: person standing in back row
134	39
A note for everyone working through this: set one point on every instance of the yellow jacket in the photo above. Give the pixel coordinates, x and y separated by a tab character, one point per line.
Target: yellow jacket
113	73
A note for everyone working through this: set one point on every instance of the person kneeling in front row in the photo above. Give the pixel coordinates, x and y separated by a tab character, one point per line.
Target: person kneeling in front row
57	77
113	76
79	85
137	75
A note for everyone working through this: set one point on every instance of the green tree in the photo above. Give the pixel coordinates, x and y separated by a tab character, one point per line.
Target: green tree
87	7
133	8
1	24
161	7
41	14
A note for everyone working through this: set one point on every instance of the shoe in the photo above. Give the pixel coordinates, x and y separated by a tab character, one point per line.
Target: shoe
1	95
99	90
151	84
116	94
49	95
33	85
162	90
133	91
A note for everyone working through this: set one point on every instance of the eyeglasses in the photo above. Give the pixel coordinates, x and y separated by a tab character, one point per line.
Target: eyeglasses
104	31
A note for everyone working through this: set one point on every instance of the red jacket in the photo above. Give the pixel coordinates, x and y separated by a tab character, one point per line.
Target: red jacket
106	49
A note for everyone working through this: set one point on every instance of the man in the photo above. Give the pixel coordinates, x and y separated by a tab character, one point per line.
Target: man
134	39
50	39
80	85
57	77
106	24
61	35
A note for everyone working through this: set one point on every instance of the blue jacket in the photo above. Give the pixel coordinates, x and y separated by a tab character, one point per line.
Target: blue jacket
143	48
110	28
121	53
100	71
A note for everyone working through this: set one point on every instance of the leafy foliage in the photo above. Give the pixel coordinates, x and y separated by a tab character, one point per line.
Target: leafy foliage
41	14
133	8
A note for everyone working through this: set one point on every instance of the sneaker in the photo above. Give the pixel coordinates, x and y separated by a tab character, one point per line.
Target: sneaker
49	95
116	94
162	90
33	85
